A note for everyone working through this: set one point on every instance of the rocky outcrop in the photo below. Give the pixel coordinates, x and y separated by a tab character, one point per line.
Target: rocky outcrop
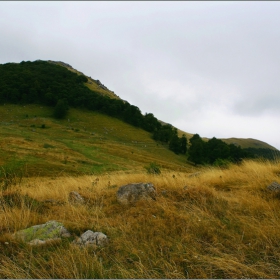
90	238
42	234
131	193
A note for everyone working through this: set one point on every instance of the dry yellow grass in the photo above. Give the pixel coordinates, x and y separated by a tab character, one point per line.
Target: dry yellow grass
222	223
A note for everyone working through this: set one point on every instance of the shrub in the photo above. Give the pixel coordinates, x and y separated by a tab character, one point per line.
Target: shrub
153	168
46	146
223	163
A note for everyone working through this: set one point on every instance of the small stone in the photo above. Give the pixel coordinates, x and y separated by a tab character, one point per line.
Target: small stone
75	197
131	193
274	187
90	238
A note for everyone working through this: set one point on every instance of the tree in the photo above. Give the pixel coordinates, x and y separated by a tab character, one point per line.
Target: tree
61	108
175	144
216	149
183	144
196	150
150	123
81	79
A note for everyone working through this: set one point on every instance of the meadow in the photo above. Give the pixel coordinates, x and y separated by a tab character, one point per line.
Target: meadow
204	223
85	142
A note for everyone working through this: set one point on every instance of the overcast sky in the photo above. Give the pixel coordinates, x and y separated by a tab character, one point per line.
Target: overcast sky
211	68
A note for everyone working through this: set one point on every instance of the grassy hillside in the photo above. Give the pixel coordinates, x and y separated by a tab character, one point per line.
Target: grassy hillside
249	143
242	142
220	224
84	142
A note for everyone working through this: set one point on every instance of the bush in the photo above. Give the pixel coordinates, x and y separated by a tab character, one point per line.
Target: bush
46	146
223	163
153	168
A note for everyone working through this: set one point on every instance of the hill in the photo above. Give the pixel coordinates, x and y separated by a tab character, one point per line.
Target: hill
249	143
59	86
85	143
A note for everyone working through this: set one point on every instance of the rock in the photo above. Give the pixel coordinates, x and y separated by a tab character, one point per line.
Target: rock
133	192
40	234
75	197
274	187
90	238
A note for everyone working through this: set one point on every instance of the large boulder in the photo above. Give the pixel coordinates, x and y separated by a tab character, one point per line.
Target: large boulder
90	238
131	193
44	233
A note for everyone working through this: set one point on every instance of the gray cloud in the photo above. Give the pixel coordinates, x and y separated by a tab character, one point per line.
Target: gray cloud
204	66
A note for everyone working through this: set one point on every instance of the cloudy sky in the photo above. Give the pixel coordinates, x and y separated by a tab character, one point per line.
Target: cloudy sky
211	68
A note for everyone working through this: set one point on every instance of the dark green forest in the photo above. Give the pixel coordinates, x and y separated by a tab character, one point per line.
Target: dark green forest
41	82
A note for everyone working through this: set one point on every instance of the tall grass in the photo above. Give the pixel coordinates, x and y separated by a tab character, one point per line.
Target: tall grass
222	223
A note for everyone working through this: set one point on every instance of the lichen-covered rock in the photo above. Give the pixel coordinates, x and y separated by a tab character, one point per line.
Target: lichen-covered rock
39	234
131	193
76	198
90	238
274	187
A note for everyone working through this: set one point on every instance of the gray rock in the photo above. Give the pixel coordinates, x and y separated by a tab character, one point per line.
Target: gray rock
274	187
133	192
40	234
76	198
90	238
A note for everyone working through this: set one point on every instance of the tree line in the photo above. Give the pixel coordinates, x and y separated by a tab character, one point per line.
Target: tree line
215	151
